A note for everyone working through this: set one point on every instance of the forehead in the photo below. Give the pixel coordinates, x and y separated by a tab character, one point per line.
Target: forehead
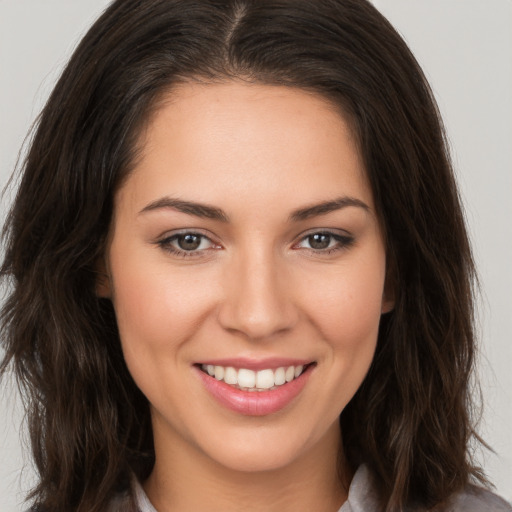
213	141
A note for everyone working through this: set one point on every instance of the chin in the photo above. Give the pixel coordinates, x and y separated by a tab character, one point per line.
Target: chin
266	449
257	460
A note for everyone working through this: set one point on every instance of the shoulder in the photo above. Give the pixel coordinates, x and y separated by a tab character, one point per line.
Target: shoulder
362	497
119	503
132	500
477	499
122	502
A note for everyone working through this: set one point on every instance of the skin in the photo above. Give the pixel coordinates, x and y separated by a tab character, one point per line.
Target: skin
254	288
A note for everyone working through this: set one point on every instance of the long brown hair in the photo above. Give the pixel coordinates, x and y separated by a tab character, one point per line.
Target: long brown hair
410	421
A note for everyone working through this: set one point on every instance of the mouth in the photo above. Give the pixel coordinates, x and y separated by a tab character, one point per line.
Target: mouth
245	379
255	392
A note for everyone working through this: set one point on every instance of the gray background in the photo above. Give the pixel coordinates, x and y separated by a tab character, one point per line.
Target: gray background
465	47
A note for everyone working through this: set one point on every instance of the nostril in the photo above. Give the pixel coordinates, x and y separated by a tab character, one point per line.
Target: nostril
257	323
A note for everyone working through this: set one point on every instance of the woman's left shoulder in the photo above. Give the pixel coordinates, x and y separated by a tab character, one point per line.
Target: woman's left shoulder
477	499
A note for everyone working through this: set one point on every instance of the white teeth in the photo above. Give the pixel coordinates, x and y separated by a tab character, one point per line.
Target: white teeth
250	380
265	379
279	377
246	378
230	376
219	372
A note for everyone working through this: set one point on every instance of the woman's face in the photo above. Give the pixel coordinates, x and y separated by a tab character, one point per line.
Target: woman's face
246	253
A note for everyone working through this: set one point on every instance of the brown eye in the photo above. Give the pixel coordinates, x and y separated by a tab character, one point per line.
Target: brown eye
189	241
320	241
187	244
325	242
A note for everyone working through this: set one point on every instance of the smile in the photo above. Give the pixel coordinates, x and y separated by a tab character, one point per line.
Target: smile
250	380
263	390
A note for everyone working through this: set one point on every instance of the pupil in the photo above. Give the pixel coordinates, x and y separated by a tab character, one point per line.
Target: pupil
189	242
319	241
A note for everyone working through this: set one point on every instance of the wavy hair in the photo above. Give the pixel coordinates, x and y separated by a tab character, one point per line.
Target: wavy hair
90	429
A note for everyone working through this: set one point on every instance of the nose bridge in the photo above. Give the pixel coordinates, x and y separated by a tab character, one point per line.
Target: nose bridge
257	301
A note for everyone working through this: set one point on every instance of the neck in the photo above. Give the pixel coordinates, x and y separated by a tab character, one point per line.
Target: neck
185	479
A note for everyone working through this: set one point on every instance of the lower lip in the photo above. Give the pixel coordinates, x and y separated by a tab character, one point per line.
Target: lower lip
255	403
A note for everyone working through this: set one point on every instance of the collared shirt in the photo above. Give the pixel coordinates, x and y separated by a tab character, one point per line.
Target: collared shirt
362	497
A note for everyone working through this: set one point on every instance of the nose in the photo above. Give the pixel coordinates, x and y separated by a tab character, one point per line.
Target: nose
257	297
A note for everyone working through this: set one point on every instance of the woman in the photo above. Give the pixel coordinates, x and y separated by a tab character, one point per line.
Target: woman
241	276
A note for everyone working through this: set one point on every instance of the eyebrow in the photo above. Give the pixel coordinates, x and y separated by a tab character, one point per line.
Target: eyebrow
327	207
192	208
211	212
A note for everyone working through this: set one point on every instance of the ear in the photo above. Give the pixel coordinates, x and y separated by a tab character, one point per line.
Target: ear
103	284
388	303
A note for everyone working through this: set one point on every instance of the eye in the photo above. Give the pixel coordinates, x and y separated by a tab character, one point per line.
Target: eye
325	241
186	243
190	242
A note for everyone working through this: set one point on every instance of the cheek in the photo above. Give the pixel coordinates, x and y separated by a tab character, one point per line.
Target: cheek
158	313
346	305
157	307
348	320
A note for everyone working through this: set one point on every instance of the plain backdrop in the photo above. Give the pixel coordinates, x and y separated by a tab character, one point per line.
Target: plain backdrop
465	48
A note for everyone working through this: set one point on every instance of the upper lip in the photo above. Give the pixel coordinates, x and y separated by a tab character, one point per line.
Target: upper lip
257	364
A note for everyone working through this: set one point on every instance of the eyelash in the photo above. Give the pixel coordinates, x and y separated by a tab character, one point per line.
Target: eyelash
342	242
166	244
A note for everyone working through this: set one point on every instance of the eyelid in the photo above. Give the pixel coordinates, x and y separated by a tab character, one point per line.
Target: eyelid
343	237
328	231
164	242
186	231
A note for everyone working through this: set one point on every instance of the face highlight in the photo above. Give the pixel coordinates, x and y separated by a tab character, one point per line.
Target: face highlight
246	269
